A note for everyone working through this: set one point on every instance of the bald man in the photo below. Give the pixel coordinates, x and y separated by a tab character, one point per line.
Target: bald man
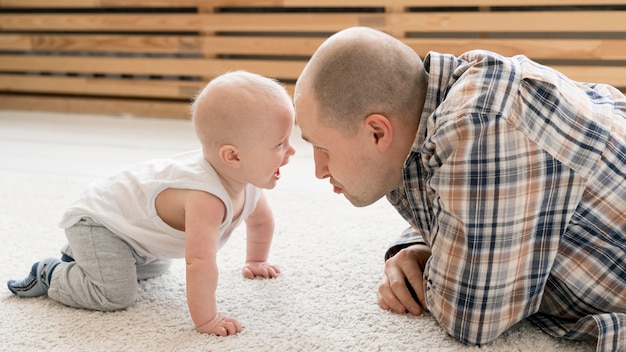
511	175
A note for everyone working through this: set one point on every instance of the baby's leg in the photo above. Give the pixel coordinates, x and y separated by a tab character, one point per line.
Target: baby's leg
66	254
103	275
147	269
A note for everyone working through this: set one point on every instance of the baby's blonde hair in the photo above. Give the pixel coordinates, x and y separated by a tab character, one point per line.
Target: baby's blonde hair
233	105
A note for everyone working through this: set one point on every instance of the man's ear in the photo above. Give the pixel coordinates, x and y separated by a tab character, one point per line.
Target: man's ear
229	154
380	130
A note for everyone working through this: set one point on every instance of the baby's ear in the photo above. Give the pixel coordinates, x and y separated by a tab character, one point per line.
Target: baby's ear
229	154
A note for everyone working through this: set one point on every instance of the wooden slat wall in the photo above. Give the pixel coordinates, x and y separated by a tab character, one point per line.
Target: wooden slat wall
150	57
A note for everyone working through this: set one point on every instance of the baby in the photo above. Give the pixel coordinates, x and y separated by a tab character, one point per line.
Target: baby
127	227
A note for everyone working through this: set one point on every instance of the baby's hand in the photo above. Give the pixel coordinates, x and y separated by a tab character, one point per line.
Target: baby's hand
221	325
253	269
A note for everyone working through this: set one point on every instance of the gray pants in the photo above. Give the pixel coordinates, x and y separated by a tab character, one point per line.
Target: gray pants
105	272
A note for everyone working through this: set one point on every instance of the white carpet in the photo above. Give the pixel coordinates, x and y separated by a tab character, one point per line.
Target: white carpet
331	255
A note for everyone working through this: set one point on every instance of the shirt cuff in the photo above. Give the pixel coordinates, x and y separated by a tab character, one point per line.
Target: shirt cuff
408	238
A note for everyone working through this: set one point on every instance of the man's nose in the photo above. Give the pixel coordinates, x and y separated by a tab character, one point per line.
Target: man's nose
321	165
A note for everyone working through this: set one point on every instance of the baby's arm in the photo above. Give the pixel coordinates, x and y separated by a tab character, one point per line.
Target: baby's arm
203	216
260	230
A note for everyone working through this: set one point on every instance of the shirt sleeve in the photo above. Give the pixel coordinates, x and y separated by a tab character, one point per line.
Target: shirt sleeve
500	204
408	238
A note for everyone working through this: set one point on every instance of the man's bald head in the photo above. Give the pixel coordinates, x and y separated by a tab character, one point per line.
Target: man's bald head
360	71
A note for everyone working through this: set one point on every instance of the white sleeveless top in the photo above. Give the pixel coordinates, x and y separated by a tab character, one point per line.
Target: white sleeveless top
125	203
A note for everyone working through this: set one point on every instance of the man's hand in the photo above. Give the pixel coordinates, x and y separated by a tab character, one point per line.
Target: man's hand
220	325
253	269
404	268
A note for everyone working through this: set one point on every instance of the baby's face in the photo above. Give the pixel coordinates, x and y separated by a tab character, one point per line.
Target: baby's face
262	157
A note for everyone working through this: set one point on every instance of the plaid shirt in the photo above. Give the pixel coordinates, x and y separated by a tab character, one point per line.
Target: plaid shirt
517	182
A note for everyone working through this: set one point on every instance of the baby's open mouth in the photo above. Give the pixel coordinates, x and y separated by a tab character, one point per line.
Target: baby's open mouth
277	174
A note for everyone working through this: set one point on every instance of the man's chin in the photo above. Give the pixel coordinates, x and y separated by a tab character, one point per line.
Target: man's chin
360	202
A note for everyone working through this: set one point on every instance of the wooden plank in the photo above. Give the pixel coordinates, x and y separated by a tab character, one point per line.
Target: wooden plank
574	21
101	22
102	43
136	88
438	3
615	76
138	3
48	3
97	3
109	106
256	45
148	66
211	45
99	86
290	22
568	21
15	42
294	3
584	49
531	22
565	49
